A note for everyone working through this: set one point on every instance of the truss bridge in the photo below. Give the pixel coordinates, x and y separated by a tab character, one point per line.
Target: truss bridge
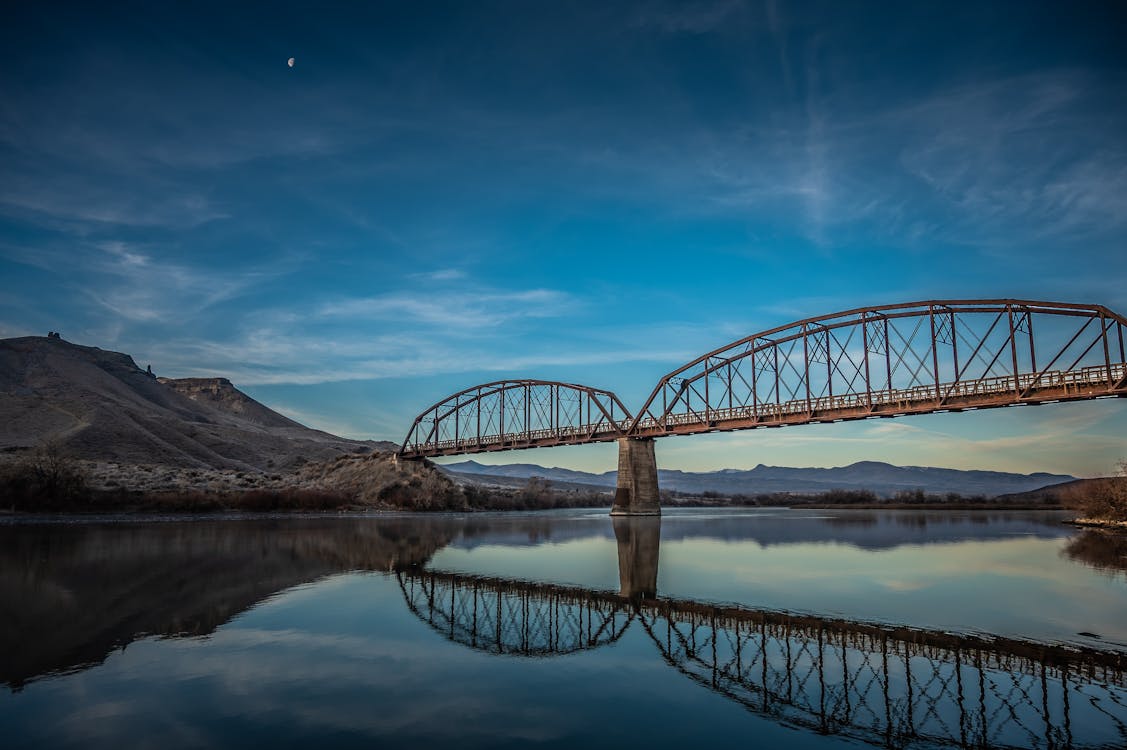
884	361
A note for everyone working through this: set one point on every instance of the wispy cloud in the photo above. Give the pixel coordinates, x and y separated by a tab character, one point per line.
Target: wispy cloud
1001	162
69	202
458	309
258	359
1025	153
442	274
138	287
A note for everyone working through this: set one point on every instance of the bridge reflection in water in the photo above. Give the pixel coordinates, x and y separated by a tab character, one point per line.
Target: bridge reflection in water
884	685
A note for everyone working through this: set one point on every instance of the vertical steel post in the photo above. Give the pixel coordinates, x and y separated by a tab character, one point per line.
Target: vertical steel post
707	399
888	358
829	370
1013	347
730	385
1032	348
865	346
934	349
806	364
955	347
754	384
1122	355
778	376
1107	351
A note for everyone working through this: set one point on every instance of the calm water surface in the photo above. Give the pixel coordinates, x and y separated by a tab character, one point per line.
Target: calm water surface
761	627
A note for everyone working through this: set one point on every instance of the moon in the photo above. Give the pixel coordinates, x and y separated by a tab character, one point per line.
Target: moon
290	62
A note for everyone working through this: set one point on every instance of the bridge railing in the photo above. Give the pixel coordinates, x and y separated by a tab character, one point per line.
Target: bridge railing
514	439
516	414
1032	383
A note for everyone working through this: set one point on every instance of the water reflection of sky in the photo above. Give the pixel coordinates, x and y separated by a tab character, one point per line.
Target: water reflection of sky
340	659
343	663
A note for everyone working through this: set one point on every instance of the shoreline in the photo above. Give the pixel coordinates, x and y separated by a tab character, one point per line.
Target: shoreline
1098	523
223	511
931	506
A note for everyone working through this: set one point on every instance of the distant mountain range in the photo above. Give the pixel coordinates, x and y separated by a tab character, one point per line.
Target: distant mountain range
100	405
881	478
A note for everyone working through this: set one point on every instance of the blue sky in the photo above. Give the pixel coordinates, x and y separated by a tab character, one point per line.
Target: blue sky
440	194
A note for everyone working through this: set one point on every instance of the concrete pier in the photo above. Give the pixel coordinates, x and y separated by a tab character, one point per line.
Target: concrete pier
637	492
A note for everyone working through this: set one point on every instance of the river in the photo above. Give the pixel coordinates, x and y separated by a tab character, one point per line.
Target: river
763	627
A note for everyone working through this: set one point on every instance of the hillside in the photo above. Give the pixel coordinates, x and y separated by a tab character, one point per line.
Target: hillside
100	406
881	478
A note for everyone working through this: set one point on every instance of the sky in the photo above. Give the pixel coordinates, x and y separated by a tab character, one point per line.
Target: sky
442	194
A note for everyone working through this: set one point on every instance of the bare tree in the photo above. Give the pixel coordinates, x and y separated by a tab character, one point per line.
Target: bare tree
1101	499
48	476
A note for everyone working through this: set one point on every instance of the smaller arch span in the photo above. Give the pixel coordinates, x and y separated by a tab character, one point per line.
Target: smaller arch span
514	414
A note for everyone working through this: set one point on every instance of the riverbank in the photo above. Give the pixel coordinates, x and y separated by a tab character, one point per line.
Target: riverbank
51	483
472	499
1098	523
934	506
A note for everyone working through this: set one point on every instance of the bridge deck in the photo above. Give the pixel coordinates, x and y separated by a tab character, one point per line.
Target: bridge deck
1087	383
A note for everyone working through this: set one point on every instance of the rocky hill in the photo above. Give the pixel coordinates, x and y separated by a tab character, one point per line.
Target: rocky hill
99	405
222	395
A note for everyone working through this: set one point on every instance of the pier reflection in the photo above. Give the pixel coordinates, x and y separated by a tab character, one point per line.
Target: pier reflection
639	542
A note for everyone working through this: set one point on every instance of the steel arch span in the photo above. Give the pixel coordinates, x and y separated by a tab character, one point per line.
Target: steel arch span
894	360
509	414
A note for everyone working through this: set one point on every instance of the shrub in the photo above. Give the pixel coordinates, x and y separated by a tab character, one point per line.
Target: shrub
1100	499
46	479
